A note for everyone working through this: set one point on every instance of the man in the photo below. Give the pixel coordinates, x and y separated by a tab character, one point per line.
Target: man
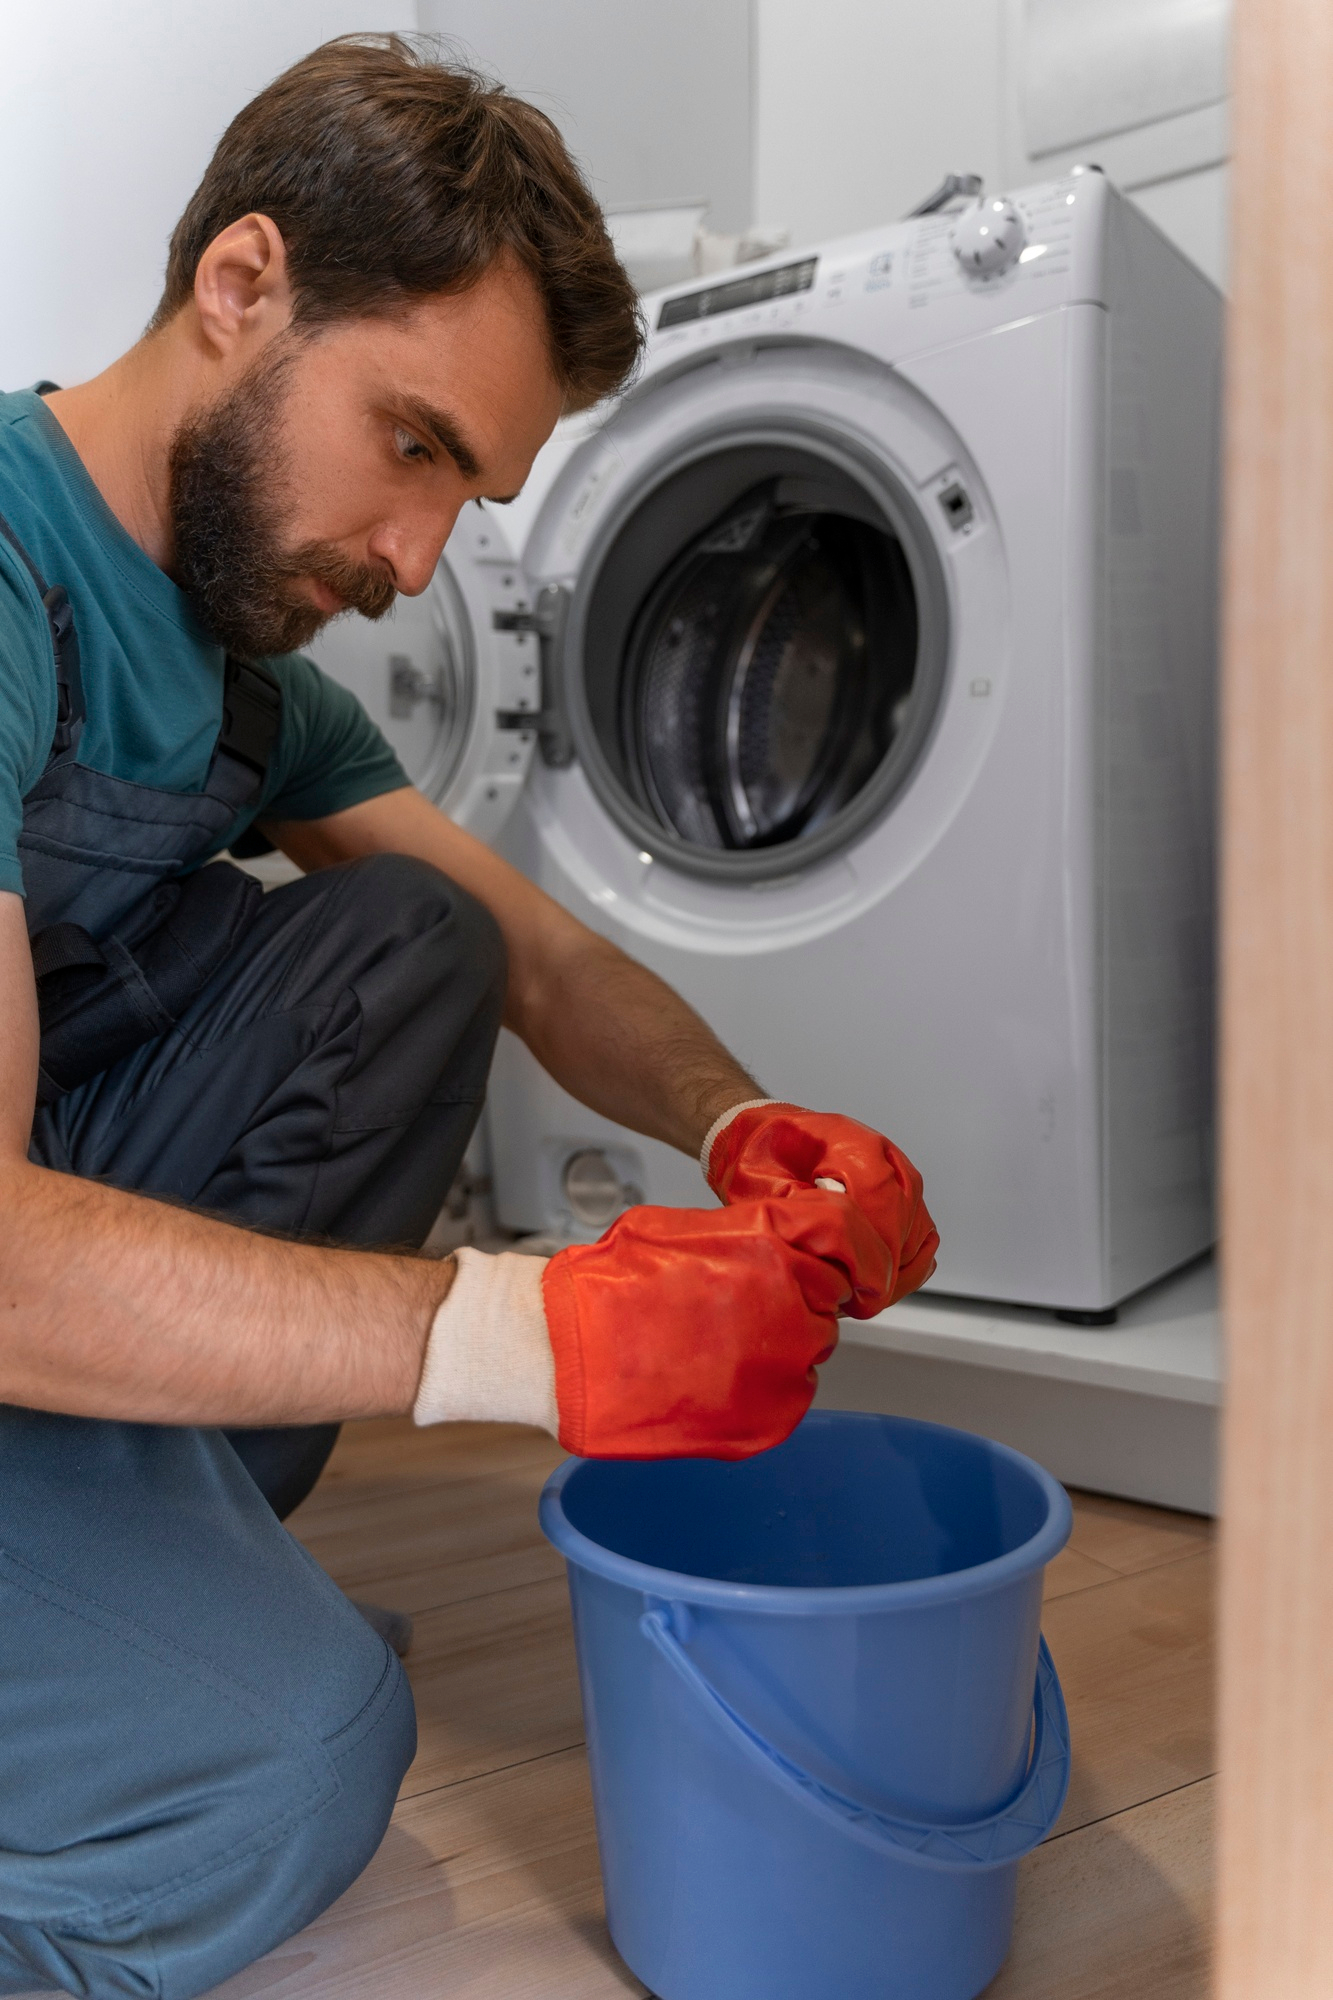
247	1110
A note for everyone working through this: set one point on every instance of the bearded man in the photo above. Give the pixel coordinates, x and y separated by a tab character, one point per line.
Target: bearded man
227	1120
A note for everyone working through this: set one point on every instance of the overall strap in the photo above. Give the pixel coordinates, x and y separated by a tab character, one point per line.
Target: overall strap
251	714
251	719
64	645
251	698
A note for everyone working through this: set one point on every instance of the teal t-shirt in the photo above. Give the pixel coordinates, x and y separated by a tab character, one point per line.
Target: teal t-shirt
152	676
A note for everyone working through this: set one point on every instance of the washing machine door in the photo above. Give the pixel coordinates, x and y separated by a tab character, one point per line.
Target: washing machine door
757	633
451	677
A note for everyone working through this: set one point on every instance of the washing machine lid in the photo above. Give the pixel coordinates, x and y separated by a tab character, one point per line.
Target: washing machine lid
452	677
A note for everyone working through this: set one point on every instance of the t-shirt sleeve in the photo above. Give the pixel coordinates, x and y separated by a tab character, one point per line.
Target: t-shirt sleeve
27	705
329	753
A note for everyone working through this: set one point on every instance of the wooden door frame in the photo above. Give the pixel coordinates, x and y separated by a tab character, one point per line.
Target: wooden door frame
1275	1921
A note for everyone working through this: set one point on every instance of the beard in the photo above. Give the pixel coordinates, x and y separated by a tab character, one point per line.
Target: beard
228	500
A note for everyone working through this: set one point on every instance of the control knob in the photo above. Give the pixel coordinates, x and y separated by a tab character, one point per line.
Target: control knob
988	238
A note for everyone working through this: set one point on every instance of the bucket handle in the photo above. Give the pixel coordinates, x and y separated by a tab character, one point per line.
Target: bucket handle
1001	1838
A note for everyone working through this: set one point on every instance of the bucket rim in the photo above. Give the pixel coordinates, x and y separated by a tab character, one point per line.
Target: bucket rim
805	1600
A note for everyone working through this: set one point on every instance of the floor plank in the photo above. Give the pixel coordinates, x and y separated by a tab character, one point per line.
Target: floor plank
422	1518
1127	1537
495	1683
1072	1571
1120	1910
1135	1661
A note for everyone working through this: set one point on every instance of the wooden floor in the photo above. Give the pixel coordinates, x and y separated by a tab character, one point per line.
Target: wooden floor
487	1884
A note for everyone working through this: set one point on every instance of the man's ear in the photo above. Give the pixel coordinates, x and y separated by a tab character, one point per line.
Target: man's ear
242	293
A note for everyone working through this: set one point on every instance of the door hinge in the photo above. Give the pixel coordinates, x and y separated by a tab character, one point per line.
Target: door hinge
547	620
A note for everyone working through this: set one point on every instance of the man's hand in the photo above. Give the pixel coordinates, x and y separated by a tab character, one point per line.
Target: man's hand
683	1333
695	1333
776	1150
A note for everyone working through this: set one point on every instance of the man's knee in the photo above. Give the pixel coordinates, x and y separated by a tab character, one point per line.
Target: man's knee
431	988
219	1912
411	902
267	1896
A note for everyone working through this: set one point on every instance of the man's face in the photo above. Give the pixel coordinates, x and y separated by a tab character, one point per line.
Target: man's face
329	477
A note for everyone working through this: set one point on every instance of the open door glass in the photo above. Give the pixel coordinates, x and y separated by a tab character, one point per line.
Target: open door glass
759	668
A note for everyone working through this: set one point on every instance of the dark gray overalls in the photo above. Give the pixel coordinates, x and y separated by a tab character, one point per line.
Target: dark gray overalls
200	1740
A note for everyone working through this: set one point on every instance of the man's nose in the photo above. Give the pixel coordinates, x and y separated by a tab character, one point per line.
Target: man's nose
412	553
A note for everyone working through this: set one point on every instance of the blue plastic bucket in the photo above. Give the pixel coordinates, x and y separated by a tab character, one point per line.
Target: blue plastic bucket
822	1724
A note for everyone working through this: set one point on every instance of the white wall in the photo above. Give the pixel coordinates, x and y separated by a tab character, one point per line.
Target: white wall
108	113
653	96
1141	88
862	106
824	117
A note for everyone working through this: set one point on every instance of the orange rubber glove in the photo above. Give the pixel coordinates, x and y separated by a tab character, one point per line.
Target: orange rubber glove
695	1333
778	1150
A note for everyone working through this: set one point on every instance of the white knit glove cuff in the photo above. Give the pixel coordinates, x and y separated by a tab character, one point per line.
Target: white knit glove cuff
719	1125
488	1354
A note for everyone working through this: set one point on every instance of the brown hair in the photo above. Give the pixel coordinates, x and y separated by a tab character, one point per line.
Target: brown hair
391	176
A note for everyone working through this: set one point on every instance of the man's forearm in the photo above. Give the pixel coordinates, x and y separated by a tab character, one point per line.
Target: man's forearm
652	1063
118	1306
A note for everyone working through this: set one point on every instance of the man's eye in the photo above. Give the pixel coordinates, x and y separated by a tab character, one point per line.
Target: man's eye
409	446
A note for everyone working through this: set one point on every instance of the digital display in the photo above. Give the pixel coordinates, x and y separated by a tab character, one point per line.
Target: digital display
738	292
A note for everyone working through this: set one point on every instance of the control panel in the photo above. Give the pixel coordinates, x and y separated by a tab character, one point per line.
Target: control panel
943	264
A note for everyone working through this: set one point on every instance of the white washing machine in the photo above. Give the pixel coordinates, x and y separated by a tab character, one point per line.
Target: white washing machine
872	636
